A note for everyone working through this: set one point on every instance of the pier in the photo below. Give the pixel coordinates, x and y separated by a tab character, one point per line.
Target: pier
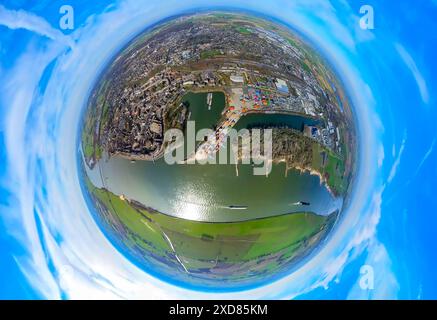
209	100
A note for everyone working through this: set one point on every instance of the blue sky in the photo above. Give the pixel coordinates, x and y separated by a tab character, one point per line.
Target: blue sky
45	78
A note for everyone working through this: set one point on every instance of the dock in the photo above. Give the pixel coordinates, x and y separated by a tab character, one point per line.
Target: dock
209	100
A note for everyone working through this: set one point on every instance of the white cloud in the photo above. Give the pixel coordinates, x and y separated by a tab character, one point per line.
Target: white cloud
397	162
411	65
19	85
425	157
385	283
381	156
19	19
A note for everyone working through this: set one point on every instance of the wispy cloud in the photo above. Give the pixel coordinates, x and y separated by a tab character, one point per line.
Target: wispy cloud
385	284
427	155
19	19
18	89
381	156
397	162
411	65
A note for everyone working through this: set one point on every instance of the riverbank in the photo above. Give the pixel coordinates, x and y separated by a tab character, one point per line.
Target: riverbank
206	248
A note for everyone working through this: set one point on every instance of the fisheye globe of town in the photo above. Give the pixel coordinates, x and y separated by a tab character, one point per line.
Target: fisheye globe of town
175	130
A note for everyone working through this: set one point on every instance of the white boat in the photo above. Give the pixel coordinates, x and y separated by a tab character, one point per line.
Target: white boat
237	207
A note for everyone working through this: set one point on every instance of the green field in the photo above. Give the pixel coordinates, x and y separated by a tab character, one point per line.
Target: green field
203	244
306	67
243	30
332	168
208	54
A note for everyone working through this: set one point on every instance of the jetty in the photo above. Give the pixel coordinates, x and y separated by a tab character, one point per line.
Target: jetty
209	100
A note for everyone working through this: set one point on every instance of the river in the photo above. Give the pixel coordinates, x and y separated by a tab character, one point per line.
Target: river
205	192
